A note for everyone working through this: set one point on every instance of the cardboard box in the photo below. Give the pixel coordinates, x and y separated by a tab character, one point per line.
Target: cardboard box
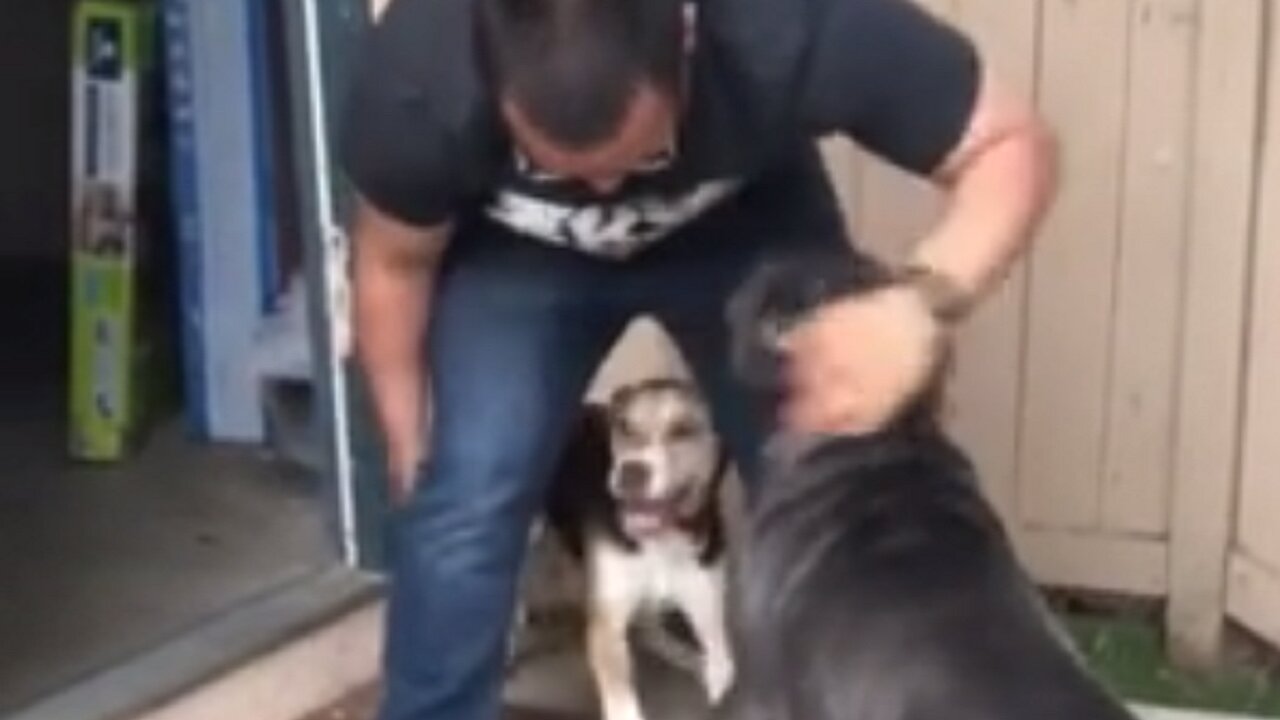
111	65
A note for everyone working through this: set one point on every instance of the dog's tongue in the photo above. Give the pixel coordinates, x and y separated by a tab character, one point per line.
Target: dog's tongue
647	517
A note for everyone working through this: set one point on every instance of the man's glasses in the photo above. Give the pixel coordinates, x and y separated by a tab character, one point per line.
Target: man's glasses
656	163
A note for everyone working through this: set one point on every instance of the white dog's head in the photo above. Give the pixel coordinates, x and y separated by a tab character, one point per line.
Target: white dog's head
667	459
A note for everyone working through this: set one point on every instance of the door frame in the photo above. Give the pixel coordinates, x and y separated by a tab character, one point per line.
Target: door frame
324	36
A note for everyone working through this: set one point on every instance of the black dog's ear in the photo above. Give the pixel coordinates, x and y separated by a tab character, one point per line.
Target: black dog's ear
778	294
755	356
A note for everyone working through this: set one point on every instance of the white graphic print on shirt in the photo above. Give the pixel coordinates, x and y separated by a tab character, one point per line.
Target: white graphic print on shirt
614	230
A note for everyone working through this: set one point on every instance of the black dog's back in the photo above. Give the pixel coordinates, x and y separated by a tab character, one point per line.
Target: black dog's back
877	584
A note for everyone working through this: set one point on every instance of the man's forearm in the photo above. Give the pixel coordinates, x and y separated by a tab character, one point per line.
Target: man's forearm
392	310
999	187
395	268
994	209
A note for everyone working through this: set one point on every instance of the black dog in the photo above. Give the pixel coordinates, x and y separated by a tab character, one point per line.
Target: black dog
875	582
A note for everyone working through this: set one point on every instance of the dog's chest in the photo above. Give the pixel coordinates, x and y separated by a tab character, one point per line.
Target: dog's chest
663	569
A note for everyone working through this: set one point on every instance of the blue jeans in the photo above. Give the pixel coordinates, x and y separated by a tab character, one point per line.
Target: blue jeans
518	330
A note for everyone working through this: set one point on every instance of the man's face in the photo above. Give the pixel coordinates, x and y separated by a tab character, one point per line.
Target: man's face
645	141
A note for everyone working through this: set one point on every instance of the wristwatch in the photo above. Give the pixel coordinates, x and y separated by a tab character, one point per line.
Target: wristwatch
941	294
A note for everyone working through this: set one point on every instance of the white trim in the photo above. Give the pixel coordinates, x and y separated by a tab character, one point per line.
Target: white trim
324	665
333	269
301	677
300	613
1153	712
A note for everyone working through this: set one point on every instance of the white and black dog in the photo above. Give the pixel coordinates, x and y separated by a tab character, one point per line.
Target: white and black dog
874	581
636	499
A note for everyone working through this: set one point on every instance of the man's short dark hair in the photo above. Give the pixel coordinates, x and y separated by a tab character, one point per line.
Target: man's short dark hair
573	66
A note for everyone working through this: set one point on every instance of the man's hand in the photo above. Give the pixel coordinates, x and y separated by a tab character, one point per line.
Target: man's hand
393	284
402	470
858	361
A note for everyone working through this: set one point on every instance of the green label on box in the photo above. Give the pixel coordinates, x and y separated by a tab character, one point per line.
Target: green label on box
102	345
106	37
105	230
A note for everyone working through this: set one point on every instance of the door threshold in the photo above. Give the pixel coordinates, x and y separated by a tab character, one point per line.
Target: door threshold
277	656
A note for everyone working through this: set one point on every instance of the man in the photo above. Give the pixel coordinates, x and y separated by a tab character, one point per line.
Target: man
533	174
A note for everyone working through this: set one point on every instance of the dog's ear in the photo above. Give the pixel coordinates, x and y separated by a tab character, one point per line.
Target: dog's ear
620	398
755	355
778	293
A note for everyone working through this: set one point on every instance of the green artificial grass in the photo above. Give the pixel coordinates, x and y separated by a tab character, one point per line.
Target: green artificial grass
1127	655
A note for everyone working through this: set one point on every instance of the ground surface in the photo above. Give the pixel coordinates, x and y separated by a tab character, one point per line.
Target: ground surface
1125	653
554	685
362	704
1128	655
98	563
359	705
104	563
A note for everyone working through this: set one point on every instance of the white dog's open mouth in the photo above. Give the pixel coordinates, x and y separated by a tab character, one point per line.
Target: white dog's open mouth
650	516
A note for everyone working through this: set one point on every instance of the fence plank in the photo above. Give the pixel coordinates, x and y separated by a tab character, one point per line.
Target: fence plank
1137	450
894	209
1133	566
1071	270
1253	596
1229	51
1260	485
987	381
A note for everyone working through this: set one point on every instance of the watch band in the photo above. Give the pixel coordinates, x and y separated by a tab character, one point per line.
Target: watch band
945	299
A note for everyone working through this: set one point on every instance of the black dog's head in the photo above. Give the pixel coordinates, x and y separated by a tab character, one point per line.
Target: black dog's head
782	293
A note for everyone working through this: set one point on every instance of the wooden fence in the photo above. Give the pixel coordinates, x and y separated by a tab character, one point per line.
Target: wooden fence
1122	391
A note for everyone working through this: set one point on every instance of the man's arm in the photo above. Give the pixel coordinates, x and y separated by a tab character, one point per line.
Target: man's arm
404	165
916	91
395	267
1000	179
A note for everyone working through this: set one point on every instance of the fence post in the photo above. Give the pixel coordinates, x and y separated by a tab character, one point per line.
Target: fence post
1226	110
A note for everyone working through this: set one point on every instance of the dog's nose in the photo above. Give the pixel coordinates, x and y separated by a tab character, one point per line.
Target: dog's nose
633	478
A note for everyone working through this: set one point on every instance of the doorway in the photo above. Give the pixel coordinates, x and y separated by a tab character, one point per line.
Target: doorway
107	559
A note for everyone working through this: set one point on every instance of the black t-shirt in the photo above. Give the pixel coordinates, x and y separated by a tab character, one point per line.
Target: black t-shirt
423	141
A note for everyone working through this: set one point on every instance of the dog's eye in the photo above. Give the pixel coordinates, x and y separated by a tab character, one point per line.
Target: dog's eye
623	429
684	430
